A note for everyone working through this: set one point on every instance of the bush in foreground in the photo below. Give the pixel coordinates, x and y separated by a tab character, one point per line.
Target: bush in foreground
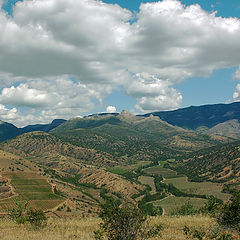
126	222
230	212
184	210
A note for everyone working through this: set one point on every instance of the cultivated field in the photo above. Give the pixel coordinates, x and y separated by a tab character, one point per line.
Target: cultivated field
171	203
206	188
29	186
148	181
159	170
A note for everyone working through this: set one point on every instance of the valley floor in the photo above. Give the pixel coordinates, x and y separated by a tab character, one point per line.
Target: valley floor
82	229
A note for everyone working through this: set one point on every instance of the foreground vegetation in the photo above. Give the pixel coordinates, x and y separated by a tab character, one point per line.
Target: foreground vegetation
216	220
83	229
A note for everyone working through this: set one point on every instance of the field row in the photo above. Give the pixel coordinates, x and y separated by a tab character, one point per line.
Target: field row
32	188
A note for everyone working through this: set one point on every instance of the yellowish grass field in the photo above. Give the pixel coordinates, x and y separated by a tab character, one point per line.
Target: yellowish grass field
82	229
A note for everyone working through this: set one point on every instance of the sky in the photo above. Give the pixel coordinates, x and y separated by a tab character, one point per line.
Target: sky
68	58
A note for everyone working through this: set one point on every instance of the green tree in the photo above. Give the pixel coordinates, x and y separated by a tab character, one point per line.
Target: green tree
125	222
230	212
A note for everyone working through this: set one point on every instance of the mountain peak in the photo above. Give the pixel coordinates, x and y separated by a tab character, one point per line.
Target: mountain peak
128	117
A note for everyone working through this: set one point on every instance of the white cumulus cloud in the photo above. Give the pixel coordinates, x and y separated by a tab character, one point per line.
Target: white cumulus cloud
8	114
236	94
59	56
111	109
25	96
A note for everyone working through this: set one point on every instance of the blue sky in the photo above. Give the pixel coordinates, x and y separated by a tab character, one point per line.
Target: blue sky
57	63
197	91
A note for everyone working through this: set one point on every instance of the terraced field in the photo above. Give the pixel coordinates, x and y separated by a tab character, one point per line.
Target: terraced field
206	188
31	187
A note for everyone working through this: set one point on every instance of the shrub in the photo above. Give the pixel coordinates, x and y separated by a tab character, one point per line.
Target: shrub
36	218
150	209
23	214
186	209
18	214
214	233
230	212
212	206
126	222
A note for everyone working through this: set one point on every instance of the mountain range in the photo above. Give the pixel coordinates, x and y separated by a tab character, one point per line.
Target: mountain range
124	138
205	119
89	159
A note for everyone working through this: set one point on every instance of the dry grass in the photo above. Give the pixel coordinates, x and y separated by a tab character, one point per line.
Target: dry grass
56	229
82	229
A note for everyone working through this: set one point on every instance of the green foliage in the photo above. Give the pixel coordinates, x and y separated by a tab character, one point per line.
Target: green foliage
126	222
212	206
107	198
212	233
186	209
36	218
230	212
22	214
18	214
151	210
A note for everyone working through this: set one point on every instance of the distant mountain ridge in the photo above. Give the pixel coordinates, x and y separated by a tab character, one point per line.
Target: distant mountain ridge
43	127
203	117
8	130
198	116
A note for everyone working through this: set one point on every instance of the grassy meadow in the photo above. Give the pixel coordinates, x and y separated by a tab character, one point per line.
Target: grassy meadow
82	229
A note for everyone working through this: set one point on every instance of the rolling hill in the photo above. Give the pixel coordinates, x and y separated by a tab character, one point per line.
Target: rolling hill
230	128
40	145
218	164
132	138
